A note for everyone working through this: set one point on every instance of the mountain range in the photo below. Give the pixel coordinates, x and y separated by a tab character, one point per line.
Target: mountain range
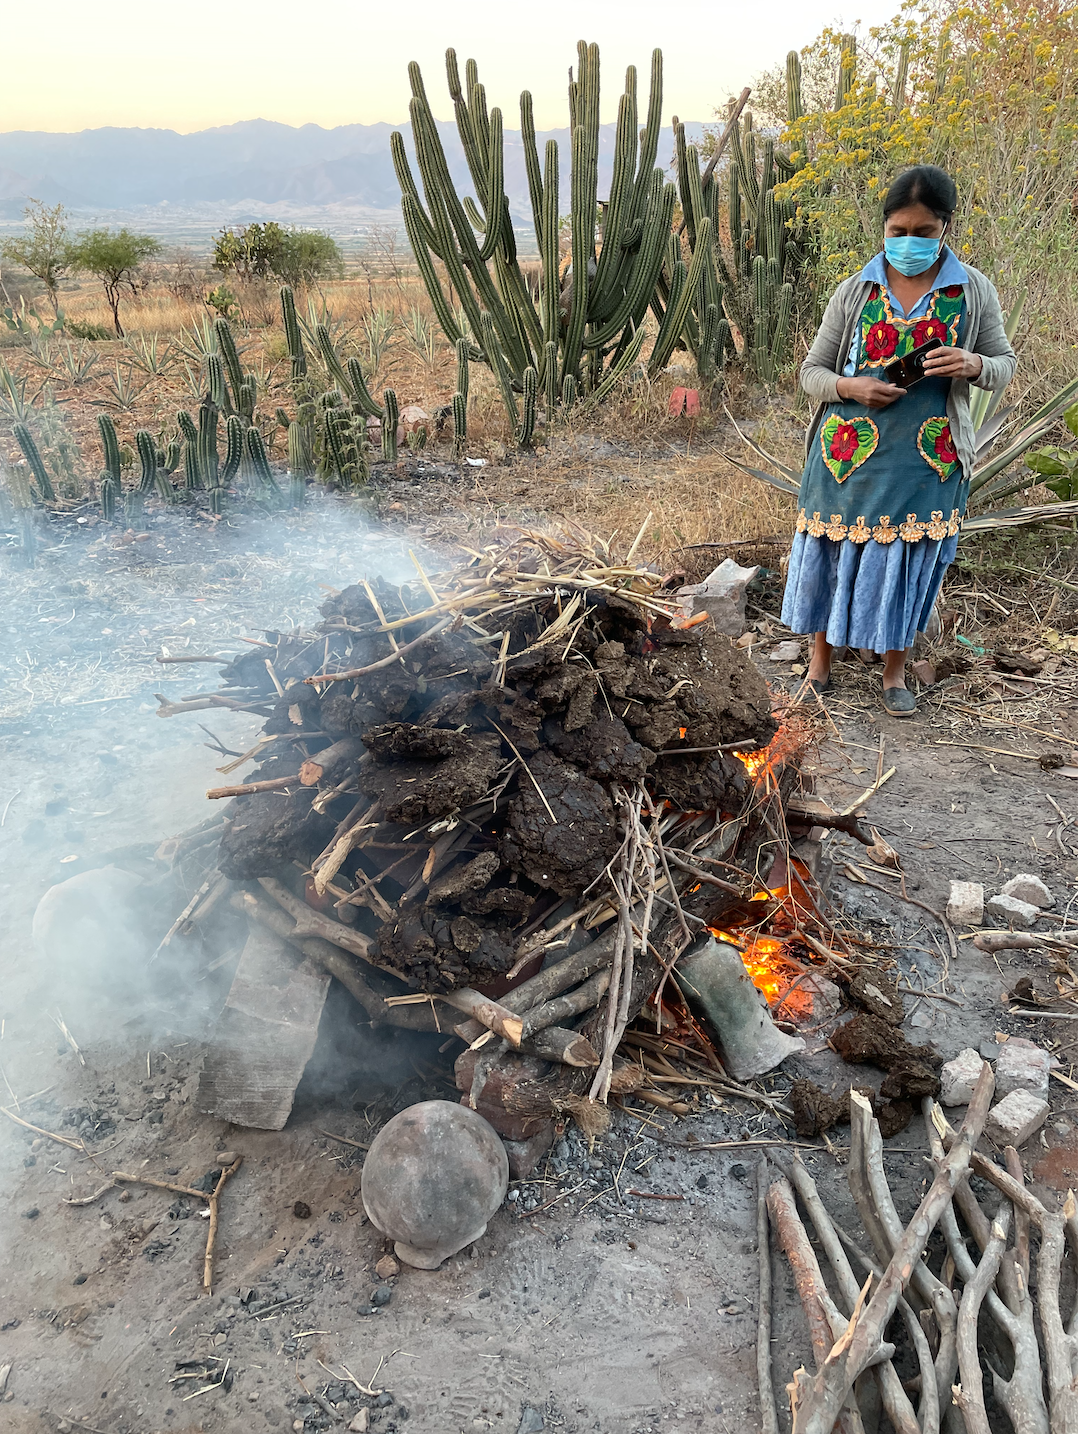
254	161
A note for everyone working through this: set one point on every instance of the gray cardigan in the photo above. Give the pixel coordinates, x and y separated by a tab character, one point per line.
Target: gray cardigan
984	335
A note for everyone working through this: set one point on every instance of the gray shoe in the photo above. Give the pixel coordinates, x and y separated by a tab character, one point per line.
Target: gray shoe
899	701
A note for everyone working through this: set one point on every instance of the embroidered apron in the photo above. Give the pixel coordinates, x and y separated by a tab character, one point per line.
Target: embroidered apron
892	472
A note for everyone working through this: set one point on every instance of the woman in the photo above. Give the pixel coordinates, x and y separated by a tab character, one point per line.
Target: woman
884	489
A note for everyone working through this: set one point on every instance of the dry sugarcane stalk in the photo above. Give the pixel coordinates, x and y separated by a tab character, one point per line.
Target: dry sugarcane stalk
815	1403
871	1194
1012	1309
489	1013
331	763
393	657
769	1420
249	789
824	1320
894	1397
969	1395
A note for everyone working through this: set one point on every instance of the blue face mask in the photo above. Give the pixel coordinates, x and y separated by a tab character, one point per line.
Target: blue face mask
911	254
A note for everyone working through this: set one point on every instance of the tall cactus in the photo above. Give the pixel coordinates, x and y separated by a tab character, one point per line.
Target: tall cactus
256	453
578	327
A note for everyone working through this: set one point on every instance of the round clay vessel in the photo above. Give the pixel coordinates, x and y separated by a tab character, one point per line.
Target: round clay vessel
434	1176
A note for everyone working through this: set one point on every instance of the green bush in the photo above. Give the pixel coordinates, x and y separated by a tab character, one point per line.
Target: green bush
79	330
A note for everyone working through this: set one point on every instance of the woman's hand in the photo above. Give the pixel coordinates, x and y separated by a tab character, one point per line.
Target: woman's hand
953	363
869	391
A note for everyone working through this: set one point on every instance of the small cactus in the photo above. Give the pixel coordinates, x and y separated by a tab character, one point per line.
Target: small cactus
256	452
389	426
107	493
460	423
526	427
292	334
147	452
111	445
233	449
25	440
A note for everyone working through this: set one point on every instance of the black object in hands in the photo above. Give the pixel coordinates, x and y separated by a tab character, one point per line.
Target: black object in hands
910	368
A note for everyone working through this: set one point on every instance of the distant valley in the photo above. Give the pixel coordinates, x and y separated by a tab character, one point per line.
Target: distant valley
182	186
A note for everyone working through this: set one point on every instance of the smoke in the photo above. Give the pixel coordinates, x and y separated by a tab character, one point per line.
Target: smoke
93	781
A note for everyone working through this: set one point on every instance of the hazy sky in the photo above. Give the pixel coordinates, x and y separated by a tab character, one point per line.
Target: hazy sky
205	62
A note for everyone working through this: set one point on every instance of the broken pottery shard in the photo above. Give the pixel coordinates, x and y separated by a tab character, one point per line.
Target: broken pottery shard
1015	913
714	978
265	1035
721	595
434	1176
958	1077
1028	888
965	904
1021	1065
1015	1118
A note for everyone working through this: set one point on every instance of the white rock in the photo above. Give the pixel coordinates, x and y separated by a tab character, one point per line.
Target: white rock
965	903
1021	1065
1029	888
958	1077
1015	1118
788	651
361	1423
722	595
1013	912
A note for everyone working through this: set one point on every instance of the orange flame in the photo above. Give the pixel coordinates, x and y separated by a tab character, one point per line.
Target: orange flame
770	973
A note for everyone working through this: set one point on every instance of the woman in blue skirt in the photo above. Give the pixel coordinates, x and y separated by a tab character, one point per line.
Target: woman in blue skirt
888	464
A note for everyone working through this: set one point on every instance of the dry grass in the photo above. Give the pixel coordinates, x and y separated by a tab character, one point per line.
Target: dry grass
604	468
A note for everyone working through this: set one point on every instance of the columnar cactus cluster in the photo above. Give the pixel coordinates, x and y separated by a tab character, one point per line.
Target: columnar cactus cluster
585	328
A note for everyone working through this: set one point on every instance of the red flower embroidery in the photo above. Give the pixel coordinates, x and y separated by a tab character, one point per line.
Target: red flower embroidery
845	442
874	293
952	291
929	329
944	446
881	340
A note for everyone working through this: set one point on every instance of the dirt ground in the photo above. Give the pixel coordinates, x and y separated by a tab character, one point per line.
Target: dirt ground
587	1306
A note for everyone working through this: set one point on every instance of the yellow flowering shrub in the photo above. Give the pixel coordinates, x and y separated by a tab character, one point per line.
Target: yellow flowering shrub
988	89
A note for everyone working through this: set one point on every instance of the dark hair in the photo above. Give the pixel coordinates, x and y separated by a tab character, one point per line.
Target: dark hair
925	184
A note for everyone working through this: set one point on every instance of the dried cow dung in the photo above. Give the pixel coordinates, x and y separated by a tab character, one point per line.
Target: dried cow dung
868	1040
497	730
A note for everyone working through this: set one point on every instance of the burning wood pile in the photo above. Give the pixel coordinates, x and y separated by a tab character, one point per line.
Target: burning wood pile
503	802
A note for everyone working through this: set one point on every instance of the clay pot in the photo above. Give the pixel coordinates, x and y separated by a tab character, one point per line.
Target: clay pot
434	1176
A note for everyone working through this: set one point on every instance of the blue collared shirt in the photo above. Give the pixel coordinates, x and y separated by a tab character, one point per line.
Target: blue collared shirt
875	272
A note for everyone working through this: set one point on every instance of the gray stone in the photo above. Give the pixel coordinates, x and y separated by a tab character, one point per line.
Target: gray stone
434	1176
1015	913
1028	888
1021	1065
1015	1118
721	595
958	1077
965	903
